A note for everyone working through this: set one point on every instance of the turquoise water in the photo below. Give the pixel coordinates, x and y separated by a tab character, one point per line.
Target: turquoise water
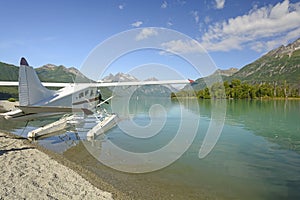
257	155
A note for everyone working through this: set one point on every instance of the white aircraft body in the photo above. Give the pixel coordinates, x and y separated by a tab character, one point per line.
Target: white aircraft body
36	101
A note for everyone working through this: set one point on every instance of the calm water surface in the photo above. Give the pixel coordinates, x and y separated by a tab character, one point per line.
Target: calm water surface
256	157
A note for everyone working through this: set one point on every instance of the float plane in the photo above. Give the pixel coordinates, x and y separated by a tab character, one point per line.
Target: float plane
37	101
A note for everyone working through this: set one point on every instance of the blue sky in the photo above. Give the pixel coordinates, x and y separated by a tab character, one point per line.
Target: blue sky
64	32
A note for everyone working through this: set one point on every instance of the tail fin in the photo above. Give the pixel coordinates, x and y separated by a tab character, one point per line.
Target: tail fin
31	90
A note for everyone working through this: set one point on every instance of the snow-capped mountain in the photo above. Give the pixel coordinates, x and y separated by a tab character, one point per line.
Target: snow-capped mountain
119	77
148	90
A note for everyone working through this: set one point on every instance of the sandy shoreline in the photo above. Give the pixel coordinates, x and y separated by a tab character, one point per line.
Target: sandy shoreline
30	172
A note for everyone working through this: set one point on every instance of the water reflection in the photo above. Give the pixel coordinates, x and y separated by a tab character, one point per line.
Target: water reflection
276	120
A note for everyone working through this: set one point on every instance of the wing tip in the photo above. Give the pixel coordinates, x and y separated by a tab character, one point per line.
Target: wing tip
191	81
24	62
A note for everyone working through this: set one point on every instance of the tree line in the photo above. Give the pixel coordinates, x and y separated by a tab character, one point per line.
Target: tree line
236	89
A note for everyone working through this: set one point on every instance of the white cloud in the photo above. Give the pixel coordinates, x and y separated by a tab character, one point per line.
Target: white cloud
169	23
182	47
220	4
196	16
146	33
207	19
121	6
261	29
181	2
164	4
137	24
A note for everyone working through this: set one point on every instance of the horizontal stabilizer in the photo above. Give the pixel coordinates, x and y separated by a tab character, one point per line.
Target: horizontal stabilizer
52	109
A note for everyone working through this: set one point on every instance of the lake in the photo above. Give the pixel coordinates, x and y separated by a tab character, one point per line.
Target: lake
256	155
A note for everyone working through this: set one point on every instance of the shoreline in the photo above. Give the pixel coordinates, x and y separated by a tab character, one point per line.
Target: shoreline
255	99
6	106
31	171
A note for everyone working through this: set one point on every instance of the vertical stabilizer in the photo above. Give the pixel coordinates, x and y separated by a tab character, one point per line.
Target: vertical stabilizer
31	90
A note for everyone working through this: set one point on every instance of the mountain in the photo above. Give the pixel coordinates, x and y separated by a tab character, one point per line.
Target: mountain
226	72
201	83
170	87
147	90
52	73
280	64
46	73
8	72
119	77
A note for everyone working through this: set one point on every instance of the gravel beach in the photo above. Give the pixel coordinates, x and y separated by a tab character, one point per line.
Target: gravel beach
6	106
29	173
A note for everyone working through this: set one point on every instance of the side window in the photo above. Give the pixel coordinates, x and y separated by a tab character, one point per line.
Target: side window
81	95
86	93
92	93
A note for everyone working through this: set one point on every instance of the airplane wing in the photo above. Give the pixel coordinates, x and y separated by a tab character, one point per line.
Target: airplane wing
140	83
104	84
47	84
9	83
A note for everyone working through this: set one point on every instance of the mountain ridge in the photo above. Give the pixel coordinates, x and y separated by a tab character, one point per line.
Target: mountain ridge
147	90
280	65
46	73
